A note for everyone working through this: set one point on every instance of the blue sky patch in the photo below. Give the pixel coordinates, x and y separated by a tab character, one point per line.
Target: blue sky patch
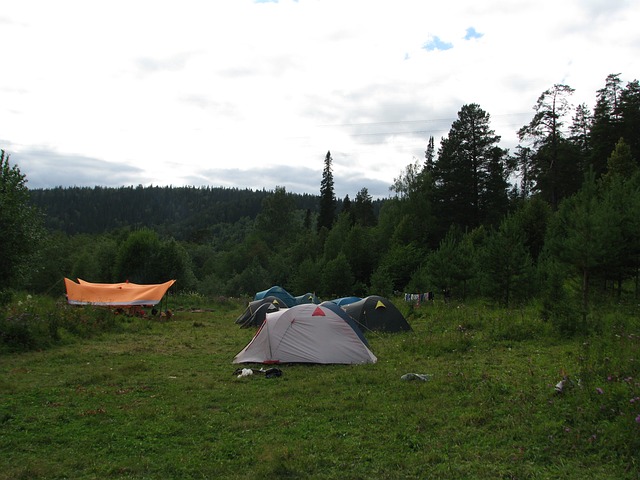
436	44
471	33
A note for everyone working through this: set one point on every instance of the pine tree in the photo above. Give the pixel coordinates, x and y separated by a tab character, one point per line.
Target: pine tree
524	165
327	213
451	265
429	155
556	169
464	177
582	235
363	209
630	108
580	134
621	201
507	264
620	162
607	123
346	204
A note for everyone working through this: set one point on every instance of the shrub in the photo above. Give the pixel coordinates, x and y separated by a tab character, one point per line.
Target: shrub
31	323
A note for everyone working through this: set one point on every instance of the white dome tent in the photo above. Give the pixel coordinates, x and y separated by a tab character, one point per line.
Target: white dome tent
307	333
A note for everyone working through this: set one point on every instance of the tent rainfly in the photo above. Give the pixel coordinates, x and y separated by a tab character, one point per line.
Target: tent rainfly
307	298
307	333
279	292
115	294
377	313
288	299
341	302
257	309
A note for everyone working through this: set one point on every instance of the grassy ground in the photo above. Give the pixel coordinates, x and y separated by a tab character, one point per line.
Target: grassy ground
158	399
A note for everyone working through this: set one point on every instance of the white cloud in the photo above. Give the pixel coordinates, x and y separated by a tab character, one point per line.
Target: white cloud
236	92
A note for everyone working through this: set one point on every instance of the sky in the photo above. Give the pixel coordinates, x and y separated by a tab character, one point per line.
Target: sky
253	94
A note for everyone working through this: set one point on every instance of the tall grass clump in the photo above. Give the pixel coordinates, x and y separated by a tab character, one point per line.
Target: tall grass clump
193	301
518	325
37	322
599	403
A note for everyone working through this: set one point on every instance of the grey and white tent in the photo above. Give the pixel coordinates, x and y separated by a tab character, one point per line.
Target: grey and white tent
307	333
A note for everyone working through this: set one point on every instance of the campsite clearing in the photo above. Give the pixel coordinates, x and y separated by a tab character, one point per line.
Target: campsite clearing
159	400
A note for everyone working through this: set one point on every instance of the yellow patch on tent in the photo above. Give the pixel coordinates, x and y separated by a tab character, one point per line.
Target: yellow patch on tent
380	305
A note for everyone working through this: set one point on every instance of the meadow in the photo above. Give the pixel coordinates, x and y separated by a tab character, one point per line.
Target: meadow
127	397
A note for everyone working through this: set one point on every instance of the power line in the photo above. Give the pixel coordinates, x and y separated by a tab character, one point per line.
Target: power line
394	122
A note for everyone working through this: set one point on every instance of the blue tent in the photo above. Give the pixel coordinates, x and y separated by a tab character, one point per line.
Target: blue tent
278	292
288	299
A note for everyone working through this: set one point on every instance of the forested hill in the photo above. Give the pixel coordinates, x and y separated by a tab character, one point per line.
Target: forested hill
185	213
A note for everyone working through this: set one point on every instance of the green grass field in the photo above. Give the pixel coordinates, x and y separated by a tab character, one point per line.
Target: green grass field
158	399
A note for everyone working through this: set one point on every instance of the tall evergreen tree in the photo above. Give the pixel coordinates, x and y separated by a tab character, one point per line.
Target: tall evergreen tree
327	213
630	108
532	219
507	265
555	165
580	134
464	176
606	129
581	236
524	166
363	209
621	201
451	265
621	162
346	204
429	155
494	202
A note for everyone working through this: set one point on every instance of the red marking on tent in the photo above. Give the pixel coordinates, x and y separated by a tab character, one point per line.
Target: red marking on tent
318	312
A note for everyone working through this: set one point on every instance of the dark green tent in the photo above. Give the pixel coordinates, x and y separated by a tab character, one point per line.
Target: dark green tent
254	314
377	313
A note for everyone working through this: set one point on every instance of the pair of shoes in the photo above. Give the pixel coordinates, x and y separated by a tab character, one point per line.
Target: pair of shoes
273	372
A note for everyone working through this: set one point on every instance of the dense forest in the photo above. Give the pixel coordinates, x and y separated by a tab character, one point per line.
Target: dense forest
184	213
557	219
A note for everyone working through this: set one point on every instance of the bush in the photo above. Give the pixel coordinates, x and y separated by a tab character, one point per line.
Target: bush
86	321
23	326
31	323
18	332
5	297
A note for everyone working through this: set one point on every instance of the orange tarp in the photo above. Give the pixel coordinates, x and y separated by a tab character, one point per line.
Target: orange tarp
114	294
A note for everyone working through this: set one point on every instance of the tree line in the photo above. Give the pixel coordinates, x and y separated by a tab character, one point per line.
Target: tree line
554	220
184	213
